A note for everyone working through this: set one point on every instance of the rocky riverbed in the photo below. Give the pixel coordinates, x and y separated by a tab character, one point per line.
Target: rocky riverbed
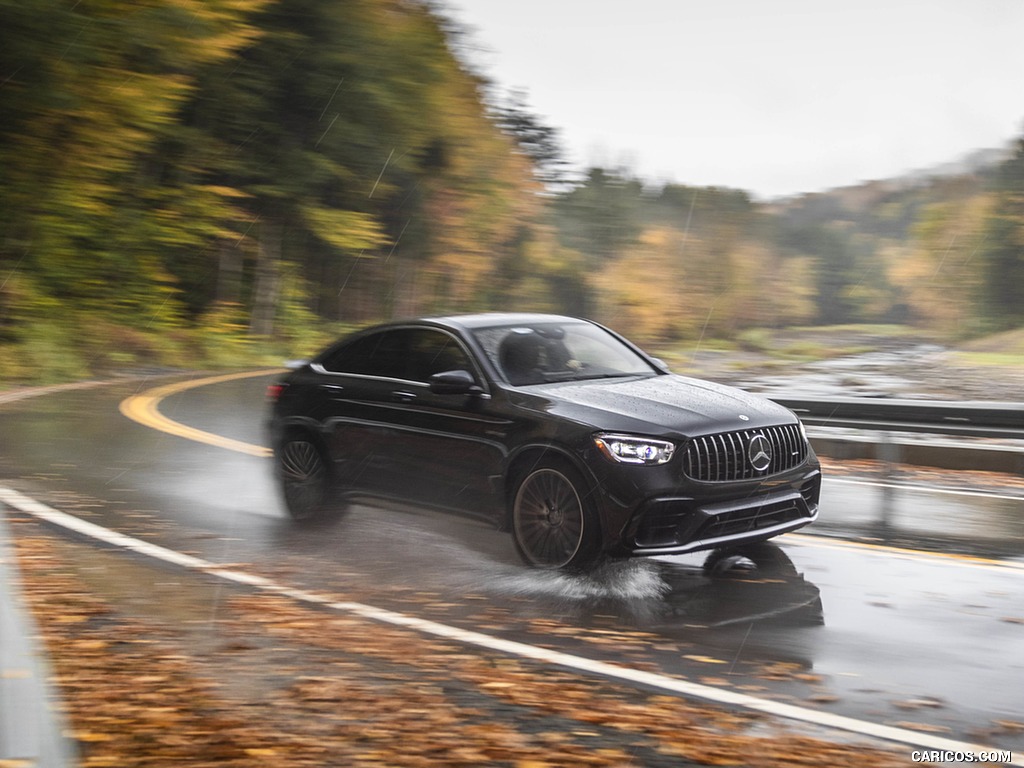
873	367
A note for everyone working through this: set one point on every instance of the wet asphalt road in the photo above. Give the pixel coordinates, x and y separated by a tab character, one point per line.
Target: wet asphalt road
814	619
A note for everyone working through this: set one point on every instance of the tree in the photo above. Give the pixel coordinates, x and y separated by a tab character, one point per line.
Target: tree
937	275
1003	252
600	216
537	140
90	90
838	267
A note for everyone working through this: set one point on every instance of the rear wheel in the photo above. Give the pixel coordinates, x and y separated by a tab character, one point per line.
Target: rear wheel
305	477
553	524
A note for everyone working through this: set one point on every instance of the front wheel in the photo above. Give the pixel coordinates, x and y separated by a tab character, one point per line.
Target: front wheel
305	478
553	524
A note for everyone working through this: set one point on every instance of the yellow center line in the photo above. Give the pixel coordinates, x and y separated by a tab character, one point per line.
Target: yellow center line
144	409
824	542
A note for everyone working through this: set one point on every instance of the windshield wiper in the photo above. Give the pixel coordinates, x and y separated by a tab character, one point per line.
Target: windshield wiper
576	376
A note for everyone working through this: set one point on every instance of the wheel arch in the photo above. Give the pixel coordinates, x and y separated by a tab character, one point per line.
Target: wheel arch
299	425
536	455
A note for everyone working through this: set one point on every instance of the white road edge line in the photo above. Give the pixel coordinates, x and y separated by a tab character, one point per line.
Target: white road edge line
468	637
924	488
824	541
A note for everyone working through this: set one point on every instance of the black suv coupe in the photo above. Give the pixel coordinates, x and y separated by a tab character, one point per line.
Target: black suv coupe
555	428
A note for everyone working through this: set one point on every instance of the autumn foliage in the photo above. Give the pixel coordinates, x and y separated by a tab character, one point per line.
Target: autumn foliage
204	181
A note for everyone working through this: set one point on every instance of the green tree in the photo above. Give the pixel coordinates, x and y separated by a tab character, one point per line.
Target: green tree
1003	252
535	138
600	216
78	136
838	267
363	154
89	91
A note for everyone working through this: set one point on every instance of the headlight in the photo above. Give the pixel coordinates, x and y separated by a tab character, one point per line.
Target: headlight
632	449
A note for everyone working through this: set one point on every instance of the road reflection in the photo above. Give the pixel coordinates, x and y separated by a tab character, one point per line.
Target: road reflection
753	597
755	583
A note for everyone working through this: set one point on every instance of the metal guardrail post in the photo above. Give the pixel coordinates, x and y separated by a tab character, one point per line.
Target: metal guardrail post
889	455
30	727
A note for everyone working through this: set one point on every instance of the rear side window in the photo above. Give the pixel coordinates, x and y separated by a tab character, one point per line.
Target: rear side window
379	354
413	354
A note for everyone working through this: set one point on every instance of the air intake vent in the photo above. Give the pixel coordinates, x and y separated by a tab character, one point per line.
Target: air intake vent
745	455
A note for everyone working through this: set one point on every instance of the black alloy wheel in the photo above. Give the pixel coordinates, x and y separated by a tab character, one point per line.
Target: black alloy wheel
552	524
305	478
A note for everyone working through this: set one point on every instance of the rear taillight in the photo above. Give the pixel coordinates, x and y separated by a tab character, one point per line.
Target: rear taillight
274	391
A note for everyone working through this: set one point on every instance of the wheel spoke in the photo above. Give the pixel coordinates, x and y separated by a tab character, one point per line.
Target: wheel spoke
303	476
301	460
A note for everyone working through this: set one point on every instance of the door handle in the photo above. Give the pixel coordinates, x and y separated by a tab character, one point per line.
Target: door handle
400	396
332	387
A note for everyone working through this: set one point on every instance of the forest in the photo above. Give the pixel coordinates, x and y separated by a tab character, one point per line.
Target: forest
208	183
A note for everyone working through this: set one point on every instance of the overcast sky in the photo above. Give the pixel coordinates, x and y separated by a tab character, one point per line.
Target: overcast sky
773	96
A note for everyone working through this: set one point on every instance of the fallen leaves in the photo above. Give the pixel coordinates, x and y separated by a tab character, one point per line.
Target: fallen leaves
920	703
921	727
1011	726
89	737
285	685
823	698
784	670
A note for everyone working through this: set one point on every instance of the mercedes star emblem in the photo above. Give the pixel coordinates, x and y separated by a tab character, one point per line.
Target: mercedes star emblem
759	453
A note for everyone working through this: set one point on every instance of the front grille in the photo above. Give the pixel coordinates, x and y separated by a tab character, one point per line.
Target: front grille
725	457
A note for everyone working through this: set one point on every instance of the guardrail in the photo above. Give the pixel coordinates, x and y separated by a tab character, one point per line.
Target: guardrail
875	429
968	419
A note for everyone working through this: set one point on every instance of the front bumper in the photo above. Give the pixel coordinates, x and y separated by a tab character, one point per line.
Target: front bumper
674	525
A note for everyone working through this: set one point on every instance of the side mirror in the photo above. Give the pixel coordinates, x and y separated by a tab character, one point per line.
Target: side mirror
454	383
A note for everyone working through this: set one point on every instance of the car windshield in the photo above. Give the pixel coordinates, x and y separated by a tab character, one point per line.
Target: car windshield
536	353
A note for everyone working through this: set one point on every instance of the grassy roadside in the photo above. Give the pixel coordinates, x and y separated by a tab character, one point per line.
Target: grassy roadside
66	349
1002	350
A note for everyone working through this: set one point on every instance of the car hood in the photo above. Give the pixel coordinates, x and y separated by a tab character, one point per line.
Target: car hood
658	405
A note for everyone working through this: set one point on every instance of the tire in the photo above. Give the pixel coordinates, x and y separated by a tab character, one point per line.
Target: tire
554	525
305	477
